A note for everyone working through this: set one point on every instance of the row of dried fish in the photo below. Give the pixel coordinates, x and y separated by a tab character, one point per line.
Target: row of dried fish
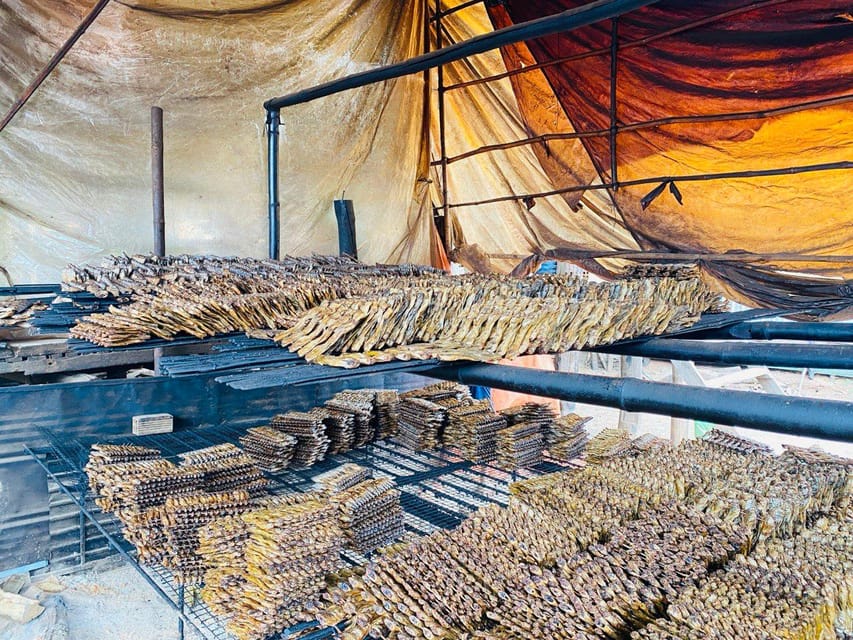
268	564
342	478
768	495
125	275
346	313
476	316
738	443
567	437
271	449
424	413
572	556
473	428
310	434
520	445
799	588
300	439
161	505
618	585
370	514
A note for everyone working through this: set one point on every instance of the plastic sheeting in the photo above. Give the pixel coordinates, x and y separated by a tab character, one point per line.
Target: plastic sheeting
75	162
748	69
486	114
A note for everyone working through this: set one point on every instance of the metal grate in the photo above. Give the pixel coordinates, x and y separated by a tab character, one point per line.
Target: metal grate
438	490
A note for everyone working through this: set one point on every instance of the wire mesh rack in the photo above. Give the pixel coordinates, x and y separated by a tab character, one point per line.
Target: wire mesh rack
438	489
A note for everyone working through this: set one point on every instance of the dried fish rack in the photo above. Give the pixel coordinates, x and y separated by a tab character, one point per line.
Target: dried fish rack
438	490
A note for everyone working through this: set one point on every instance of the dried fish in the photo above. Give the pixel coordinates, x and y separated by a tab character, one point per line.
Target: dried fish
370	514
344	313
310	435
566	437
286	550
473	428
271	449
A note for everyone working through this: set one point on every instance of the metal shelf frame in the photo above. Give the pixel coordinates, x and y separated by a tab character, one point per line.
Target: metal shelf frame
439	489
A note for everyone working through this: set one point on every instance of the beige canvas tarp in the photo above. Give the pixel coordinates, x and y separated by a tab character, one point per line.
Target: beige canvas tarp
75	163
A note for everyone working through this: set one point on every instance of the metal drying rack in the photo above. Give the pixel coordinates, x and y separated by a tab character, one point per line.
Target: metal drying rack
438	490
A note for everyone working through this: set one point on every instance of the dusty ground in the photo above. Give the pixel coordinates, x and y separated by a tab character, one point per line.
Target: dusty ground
109	603
113	602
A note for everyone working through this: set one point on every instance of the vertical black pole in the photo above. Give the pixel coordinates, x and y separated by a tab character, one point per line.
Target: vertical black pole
442	137
84	488
346	228
273	122
157	181
614	51
180	617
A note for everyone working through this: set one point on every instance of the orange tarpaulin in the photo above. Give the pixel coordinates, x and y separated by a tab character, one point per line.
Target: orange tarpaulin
706	88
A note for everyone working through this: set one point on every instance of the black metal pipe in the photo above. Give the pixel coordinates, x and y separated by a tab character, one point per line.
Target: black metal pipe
560	22
442	127
273	122
158	188
439	14
739	352
346	228
829	419
820	331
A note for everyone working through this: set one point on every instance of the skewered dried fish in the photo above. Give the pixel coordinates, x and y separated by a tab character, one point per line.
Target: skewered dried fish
230	473
214	453
345	313
370	514
386	413
567	437
359	404
473	428
520	446
287	549
340	428
608	443
797	588
181	517
101	455
342	478
743	445
310	434
421	423
769	496
271	449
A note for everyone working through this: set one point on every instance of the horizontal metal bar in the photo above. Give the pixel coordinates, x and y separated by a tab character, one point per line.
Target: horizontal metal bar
809	168
829	419
448	12
650	124
30	289
739	352
818	331
561	22
623	44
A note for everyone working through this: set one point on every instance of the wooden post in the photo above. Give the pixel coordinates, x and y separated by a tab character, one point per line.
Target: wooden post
631	367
